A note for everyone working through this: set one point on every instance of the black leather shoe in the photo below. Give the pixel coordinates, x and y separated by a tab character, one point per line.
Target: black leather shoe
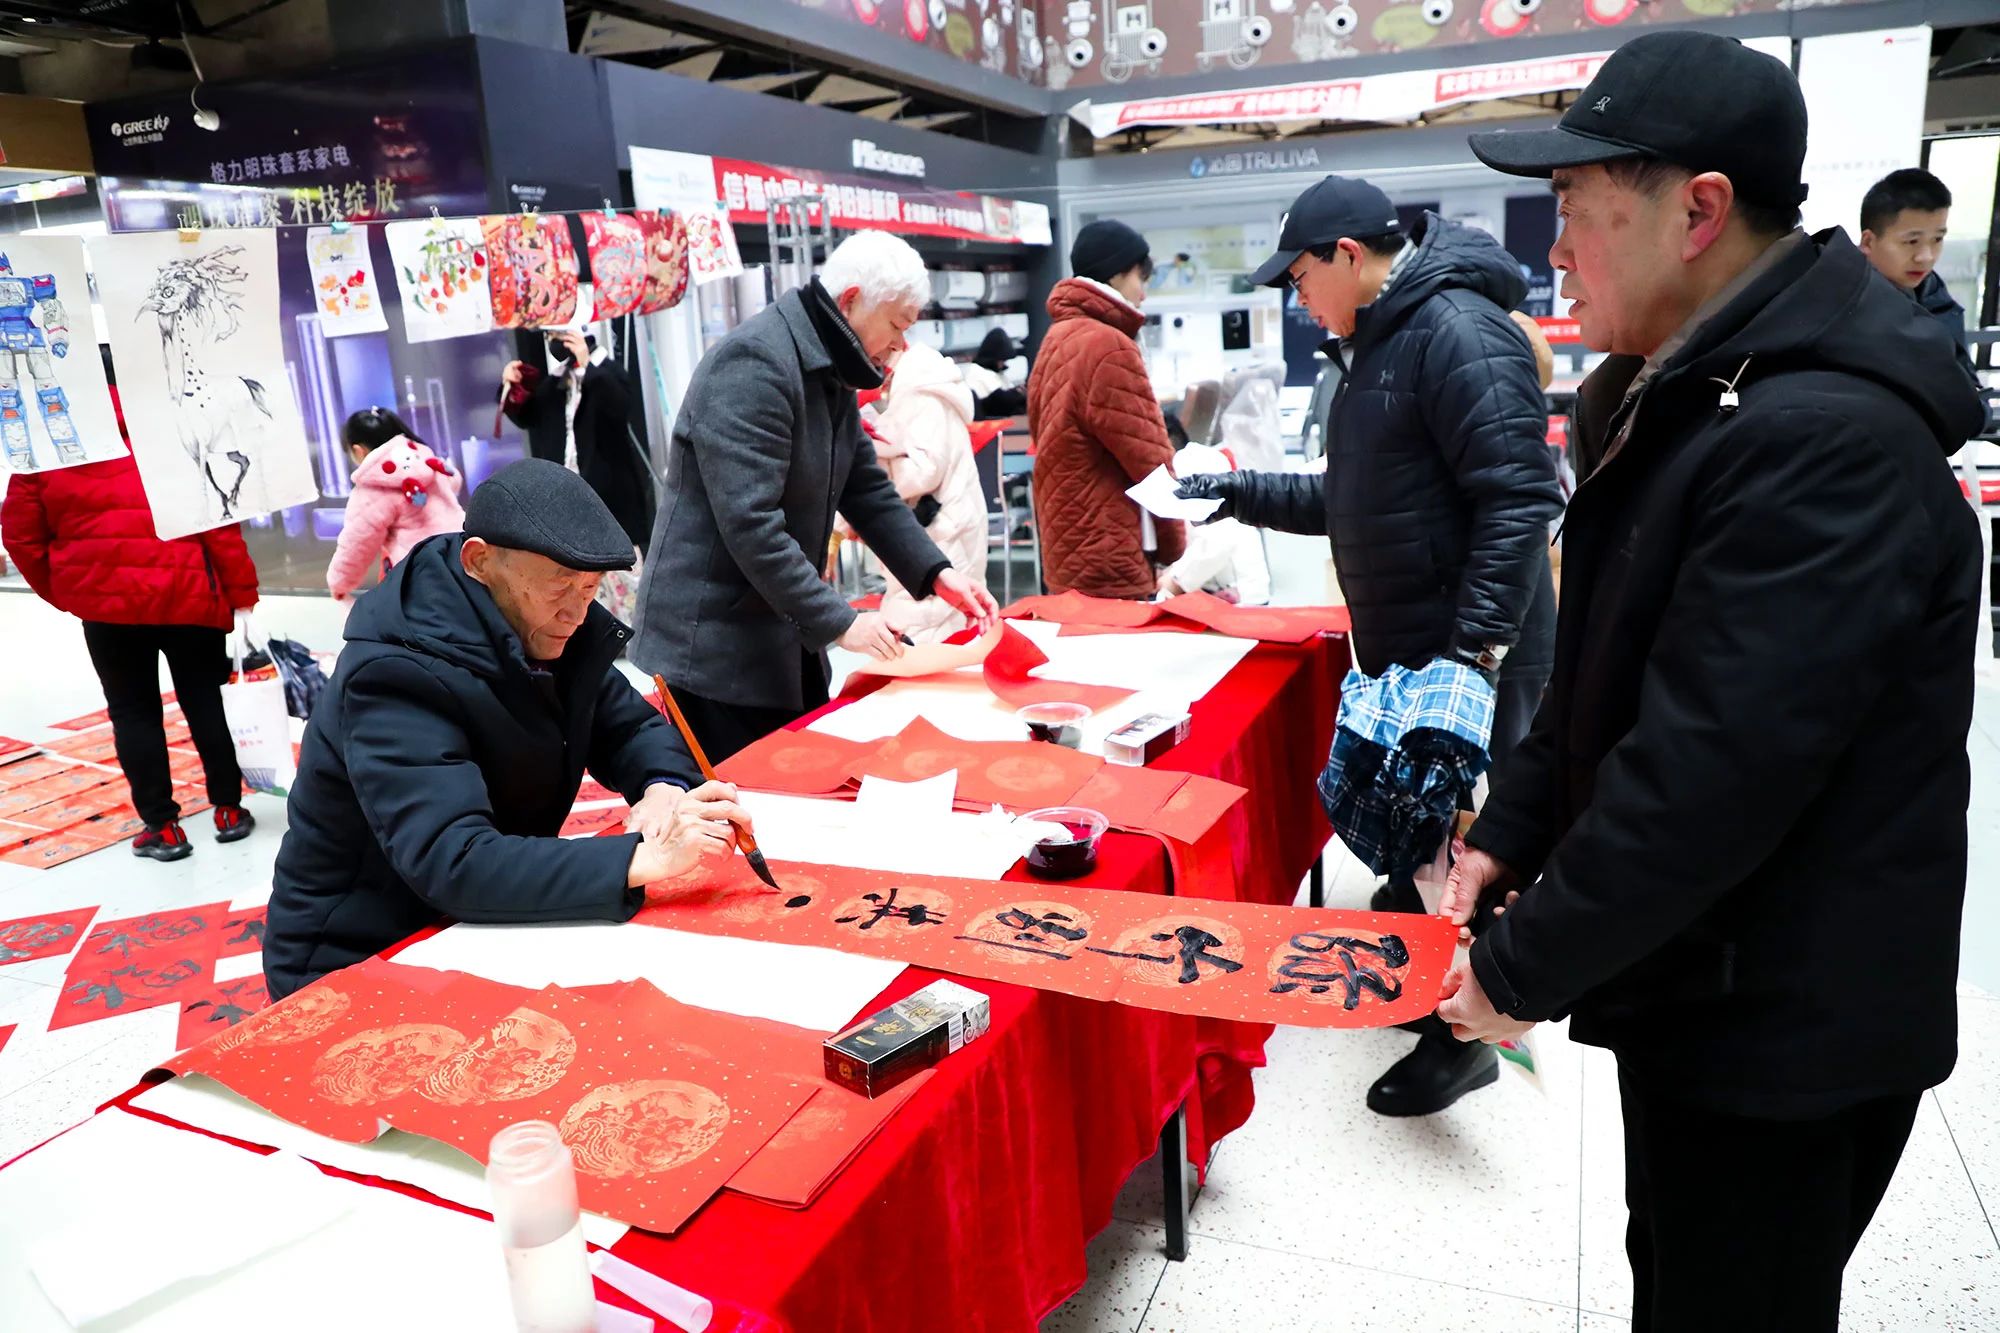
1396	897
1427	1080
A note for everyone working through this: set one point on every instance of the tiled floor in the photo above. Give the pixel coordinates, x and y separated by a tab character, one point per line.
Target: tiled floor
1503	1214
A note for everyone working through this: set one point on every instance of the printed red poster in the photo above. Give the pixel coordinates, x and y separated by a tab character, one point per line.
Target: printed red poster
138	963
46	851
221	1007
1010	675
331	1056
1023	775
10	746
62	813
655	1129
60	785
48	935
92	747
100	718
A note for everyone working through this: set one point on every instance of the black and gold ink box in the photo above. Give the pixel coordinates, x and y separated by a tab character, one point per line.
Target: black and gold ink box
1144	739
889	1047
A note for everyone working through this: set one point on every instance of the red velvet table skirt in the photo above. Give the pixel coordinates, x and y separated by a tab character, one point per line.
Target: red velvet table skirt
971	1210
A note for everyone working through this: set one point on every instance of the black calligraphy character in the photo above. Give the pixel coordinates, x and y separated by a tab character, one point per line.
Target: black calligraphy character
107	992
23	939
1194	944
249	930
1031	931
799	900
230	1009
917	914
123	941
1316	973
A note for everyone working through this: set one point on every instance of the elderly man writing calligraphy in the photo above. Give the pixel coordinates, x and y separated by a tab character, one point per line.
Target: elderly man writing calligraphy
767	446
477	685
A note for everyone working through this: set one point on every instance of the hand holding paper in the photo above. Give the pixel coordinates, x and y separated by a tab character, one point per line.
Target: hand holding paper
1163	497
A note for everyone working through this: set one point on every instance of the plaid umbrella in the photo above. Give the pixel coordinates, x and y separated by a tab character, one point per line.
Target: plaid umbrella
1407	749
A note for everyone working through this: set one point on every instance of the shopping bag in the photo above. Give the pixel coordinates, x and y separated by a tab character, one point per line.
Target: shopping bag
259	727
300	672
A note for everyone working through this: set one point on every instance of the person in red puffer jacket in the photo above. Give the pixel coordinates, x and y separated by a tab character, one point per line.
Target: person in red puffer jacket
83	537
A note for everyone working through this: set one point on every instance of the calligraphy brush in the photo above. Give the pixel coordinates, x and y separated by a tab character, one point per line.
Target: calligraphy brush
744	838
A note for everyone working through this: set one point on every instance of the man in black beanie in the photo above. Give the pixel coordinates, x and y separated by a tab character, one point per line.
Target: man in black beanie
477	685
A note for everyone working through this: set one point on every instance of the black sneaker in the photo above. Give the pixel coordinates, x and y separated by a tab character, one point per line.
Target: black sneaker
165	843
232	823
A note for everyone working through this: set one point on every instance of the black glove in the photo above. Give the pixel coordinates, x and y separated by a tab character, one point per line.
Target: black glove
1211	486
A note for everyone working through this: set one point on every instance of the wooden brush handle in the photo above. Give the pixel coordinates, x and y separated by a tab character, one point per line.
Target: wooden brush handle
744	838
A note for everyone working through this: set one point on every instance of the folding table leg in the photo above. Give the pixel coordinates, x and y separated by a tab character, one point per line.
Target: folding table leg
1316	891
1173	1175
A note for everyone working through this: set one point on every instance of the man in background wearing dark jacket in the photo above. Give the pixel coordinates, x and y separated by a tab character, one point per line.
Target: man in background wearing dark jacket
1903	221
1439	488
477	685
1740	815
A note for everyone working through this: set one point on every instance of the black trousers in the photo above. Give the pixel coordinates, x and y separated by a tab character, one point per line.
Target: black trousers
724	728
1742	1224
127	658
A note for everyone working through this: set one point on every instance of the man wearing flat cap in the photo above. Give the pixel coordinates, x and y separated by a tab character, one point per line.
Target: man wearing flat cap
1736	830
477	685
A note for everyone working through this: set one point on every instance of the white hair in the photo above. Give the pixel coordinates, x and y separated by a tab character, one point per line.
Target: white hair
885	268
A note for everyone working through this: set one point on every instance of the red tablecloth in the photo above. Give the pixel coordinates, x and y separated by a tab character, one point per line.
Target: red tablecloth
972	1209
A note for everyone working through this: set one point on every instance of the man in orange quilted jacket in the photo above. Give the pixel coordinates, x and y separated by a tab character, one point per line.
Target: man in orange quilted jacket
1097	425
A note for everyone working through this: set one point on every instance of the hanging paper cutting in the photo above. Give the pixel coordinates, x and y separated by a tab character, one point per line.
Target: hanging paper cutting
711	246
343	279
666	238
55	411
441	274
534	269
208	401
617	262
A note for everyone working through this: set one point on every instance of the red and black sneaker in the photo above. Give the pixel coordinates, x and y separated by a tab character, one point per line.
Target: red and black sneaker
165	843
232	823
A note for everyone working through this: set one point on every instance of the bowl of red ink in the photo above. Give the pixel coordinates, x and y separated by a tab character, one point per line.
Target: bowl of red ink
1069	848
1056	723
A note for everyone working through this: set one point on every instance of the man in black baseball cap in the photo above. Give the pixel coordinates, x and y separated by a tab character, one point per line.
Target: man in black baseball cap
1438	495
1746	790
478	683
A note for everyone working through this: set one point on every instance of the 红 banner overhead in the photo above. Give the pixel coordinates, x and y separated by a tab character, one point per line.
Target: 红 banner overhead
1403	95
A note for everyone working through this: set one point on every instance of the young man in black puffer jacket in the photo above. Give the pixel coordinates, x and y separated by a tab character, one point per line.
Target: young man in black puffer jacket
1439	487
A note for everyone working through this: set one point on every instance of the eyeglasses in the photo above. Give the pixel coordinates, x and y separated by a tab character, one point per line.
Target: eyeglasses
1294	277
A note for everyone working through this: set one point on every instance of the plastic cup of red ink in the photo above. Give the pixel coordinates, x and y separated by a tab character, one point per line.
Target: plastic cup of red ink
1058	724
1071	852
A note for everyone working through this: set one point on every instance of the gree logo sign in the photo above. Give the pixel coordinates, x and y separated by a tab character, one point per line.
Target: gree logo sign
867	157
155	125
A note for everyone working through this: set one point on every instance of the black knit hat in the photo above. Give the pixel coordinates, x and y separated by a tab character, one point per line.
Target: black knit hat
540	506
1106	248
996	349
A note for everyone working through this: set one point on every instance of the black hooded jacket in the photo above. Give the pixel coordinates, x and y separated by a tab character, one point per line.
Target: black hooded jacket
437	772
1440	486
1942	306
1745	791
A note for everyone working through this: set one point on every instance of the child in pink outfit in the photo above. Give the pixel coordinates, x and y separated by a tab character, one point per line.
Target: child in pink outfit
403	493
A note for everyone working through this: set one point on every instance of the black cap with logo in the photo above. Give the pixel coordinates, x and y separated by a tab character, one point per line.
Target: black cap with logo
1694	99
1335	209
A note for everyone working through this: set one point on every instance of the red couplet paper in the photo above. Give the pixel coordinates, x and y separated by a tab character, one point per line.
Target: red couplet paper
1310	967
92	747
655	1129
16	773
329	1057
220	1007
1010	675
10	746
49	935
799	763
100	718
5	1033
1129	797
1023	775
591	823
1272	624
1194	808
139	963
59	785
804	1156
593	790
242	933
1075	608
